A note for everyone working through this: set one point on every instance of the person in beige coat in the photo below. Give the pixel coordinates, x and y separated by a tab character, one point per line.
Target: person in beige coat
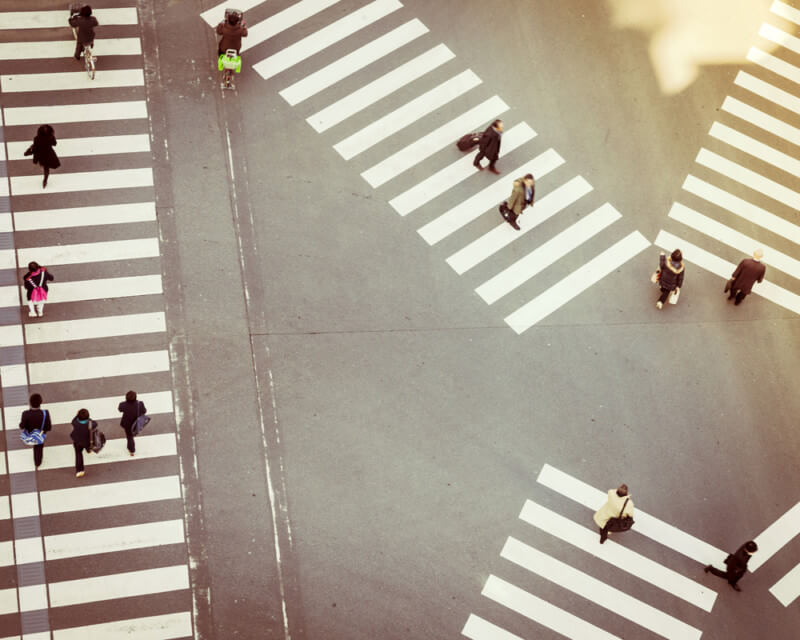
612	509
522	194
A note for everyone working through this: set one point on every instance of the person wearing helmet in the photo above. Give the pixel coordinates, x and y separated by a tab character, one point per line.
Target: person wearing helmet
232	32
85	23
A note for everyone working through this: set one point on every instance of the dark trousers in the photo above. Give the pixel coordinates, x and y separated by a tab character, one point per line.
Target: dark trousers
129	438
731	576
78	456
38	452
664	295
481	156
739	295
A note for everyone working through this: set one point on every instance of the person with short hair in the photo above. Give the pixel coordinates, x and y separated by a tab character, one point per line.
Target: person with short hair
35	282
43	152
619	502
736	564
84	22
523	192
489	146
747	273
81	435
671	278
131	409
36	418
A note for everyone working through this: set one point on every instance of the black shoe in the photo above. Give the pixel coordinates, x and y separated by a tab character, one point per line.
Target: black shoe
707	568
514	224
477	165
736	587
78	58
737	302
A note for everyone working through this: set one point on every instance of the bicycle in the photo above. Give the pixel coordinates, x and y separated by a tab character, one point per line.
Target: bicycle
89	59
230	62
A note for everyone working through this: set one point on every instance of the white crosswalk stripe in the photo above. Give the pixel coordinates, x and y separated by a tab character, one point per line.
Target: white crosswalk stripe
103	348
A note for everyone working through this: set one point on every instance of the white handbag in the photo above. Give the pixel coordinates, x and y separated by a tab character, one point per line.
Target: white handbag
673	296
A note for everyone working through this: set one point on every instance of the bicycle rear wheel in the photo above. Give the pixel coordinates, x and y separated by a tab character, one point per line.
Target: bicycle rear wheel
88	61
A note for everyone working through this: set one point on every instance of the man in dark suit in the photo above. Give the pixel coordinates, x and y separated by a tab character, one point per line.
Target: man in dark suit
489	146
749	271
736	564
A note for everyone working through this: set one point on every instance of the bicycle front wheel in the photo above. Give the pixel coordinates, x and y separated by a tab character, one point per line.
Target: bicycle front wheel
88	60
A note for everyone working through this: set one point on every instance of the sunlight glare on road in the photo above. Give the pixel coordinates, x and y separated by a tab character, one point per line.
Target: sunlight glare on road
687	34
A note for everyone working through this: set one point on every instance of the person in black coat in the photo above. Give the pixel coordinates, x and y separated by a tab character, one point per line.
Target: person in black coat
35	282
749	271
43	152
672	272
81	436
489	146
36	418
736	564
131	409
84	22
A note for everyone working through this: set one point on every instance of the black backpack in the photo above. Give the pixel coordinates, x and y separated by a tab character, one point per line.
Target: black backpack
97	439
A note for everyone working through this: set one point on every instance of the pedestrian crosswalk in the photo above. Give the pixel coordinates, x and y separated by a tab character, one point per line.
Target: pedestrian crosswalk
405	120
596	587
744	193
115	537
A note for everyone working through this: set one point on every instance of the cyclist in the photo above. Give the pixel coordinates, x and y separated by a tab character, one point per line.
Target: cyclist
85	23
232	31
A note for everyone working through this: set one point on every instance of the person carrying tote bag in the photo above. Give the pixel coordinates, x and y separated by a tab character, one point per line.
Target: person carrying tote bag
616	514
35	423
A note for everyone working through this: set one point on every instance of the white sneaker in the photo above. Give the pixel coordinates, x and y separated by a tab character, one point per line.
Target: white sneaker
659	304
79	474
31	314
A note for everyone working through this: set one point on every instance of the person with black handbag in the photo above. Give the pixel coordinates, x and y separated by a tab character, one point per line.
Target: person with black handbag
132	410
736	564
616	514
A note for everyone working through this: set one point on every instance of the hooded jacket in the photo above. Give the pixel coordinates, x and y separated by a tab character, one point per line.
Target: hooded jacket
232	35
671	275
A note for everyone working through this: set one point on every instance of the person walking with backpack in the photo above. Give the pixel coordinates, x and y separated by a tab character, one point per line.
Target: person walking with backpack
35	282
736	564
131	409
81	436
619	506
33	420
670	276
42	151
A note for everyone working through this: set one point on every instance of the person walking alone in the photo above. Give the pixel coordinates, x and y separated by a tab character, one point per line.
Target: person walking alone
736	564
81	436
618	505
489	146
35	281
748	272
671	275
33	419
84	23
42	150
131	409
523	192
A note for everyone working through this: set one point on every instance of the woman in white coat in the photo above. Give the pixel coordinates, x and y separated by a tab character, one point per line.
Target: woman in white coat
618	502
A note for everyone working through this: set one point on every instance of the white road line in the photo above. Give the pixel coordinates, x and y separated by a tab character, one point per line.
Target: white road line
98	367
113	494
100	145
60	113
169	626
32	598
577	282
724	269
8	601
379	88
325	37
281	21
157	402
6	553
787	589
455	173
216	14
779	37
91	252
83	181
755	148
742	208
17	20
62	456
647	525
118	585
489	197
96	289
409	113
503	234
733	238
71	80
353	62
66	48
542	612
113	539
429	144
94	328
5	508
766	90
598	592
619	556
477	628
776	536
85	216
762	120
543	256
785	11
776	65
748	178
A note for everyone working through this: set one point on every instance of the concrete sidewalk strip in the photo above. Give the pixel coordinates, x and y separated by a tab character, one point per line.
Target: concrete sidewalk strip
596	591
542	612
476	628
647	525
776	536
619	556
352	62
122	364
170	626
83	181
16	20
94	146
113	539
57	114
71	80
90	252
95	327
787	589
54	49
112	494
95	215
